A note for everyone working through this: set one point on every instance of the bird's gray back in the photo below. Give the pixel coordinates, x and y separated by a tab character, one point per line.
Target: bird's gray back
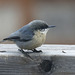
24	33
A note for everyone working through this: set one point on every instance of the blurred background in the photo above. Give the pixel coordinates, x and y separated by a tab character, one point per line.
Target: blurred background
16	13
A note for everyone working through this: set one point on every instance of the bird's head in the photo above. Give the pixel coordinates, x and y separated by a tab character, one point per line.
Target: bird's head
40	25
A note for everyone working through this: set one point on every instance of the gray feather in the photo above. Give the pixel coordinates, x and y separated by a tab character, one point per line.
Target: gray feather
22	34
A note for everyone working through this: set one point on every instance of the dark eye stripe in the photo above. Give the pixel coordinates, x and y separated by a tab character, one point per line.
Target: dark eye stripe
42	30
39	26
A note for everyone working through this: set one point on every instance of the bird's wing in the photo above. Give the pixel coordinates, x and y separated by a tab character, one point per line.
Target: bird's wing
21	35
26	36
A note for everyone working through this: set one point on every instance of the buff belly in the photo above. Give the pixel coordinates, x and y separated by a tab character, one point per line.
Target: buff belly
37	40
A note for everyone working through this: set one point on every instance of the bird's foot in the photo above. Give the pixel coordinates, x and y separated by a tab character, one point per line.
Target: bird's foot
24	53
20	50
34	50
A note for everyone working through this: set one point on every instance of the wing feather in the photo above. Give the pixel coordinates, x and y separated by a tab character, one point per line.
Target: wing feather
23	34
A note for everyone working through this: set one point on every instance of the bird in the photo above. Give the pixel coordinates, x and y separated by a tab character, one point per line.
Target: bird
30	36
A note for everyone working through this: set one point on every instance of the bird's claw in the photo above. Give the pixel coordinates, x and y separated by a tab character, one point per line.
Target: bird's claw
37	51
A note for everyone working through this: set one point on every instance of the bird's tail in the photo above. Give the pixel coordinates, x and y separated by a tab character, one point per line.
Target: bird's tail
3	41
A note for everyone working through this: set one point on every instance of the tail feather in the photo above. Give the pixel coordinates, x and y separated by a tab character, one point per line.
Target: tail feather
10	38
2	41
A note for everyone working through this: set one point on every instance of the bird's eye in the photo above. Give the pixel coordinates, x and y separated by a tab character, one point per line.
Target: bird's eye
42	30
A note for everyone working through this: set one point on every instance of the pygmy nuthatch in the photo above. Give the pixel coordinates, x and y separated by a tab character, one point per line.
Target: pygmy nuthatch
30	36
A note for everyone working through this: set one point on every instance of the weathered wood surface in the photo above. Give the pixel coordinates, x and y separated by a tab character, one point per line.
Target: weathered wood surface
13	62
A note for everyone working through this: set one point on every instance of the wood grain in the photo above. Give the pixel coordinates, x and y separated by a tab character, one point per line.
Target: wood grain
60	58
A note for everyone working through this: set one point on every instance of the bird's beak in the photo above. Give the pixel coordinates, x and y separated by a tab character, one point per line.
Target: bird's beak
51	26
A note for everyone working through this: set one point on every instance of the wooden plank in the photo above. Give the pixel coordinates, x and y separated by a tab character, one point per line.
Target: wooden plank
54	60
64	50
